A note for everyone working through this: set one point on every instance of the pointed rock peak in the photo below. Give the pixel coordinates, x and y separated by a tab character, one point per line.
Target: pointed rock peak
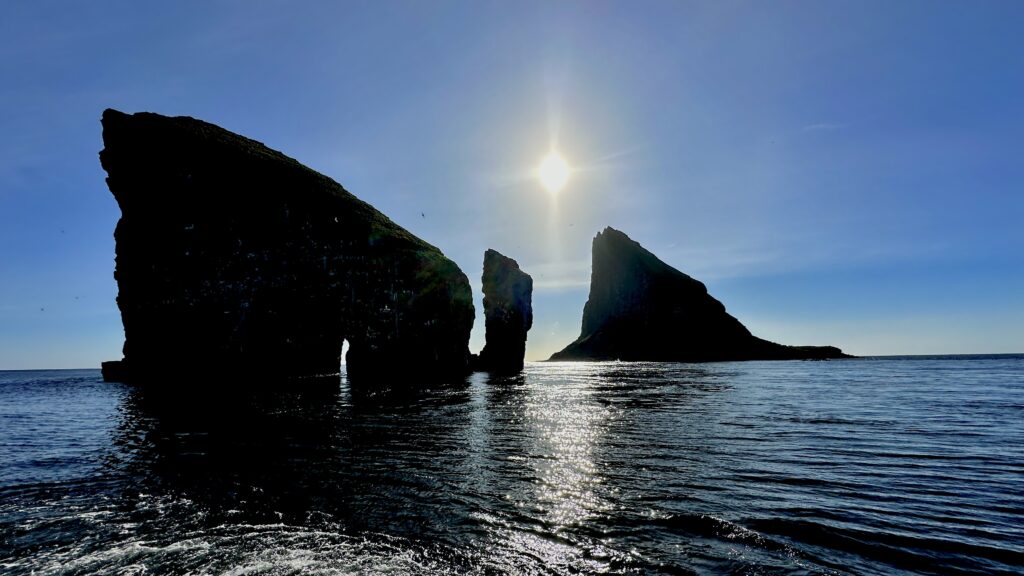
610	232
612	236
640	308
616	256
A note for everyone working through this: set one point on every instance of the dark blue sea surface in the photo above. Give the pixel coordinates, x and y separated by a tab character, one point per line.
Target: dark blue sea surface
870	466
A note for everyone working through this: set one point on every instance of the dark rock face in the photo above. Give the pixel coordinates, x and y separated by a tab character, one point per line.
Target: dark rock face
643	309
508	310
235	259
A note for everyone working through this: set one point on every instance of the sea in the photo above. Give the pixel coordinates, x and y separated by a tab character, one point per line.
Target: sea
892	465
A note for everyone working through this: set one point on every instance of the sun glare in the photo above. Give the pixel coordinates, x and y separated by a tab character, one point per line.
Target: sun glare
553	172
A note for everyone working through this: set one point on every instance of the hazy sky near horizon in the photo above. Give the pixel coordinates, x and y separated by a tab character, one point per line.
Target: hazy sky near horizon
844	173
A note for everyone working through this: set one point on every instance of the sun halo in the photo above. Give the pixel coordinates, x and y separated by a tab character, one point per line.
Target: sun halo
553	172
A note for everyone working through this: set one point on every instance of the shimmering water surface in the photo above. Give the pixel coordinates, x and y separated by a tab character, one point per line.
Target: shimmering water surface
868	466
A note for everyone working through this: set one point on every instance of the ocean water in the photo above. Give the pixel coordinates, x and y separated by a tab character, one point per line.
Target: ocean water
870	466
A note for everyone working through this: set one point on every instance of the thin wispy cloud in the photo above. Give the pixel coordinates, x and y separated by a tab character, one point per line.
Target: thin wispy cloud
559	276
792	256
824	127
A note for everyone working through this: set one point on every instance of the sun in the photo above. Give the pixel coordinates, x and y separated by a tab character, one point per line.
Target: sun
553	172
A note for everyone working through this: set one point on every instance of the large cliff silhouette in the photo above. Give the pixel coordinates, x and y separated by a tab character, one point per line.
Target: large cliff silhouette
643	309
234	259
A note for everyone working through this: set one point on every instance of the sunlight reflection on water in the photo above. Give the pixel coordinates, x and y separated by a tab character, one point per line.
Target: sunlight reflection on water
567	426
766	468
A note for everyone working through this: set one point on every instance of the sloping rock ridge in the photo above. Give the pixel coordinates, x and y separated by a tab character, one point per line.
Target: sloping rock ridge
234	259
643	309
508	313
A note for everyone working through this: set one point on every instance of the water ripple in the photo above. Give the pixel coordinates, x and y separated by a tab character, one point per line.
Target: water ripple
875	466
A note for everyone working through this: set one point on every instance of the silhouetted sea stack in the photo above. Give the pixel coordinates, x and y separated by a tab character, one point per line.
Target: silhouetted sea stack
508	313
235	260
643	309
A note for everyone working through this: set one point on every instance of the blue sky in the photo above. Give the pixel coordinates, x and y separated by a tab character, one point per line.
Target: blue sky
845	173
